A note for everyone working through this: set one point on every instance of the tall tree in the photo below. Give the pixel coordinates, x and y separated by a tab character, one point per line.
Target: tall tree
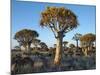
25	37
76	37
60	20
87	41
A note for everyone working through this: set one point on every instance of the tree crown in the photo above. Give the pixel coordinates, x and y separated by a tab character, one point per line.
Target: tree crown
58	19
88	37
77	36
25	36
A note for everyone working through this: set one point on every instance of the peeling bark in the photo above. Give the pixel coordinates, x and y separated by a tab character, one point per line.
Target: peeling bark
58	53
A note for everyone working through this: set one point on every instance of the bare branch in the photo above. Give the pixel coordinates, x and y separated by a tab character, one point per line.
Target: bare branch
54	24
52	28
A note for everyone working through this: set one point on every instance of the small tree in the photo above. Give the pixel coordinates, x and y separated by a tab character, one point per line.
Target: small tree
65	44
87	41
25	37
76	37
71	49
60	20
43	45
71	45
36	42
17	47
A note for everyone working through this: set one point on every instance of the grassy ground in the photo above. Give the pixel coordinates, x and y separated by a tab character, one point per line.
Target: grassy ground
38	62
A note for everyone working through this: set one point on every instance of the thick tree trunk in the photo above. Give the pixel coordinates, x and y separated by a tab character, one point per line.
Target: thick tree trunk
88	48
28	48
86	52
58	53
13	67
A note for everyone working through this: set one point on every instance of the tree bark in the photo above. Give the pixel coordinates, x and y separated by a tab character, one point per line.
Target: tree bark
86	52
28	48
58	53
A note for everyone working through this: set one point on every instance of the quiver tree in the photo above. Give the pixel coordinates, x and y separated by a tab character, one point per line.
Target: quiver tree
25	38
65	44
36	43
17	47
87	41
60	20
71	49
43	45
76	37
71	46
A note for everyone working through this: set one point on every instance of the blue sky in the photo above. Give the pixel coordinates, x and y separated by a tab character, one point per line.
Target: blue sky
27	15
